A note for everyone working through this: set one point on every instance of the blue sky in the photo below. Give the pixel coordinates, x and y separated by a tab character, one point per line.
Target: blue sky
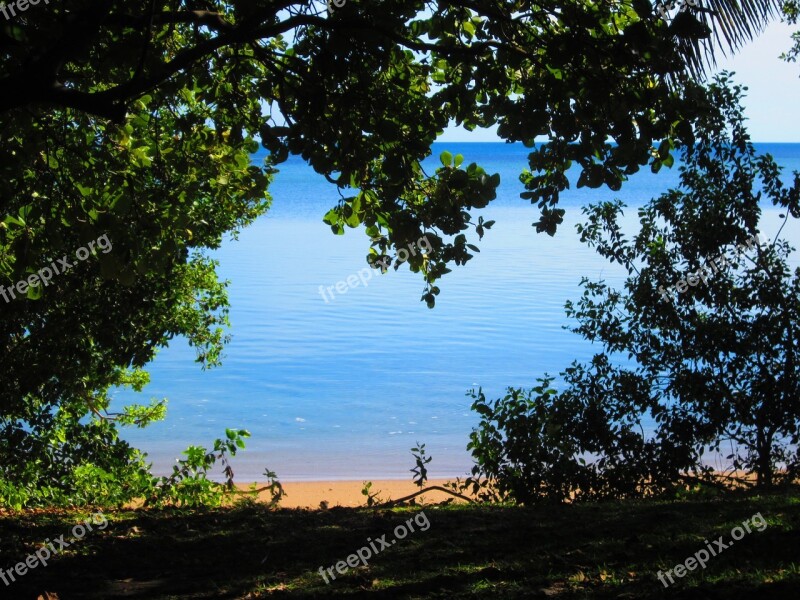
772	99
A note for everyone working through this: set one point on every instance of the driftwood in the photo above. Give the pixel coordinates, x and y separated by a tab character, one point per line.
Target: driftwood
433	488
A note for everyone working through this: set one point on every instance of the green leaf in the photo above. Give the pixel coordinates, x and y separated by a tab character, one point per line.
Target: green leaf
556	72
84	190
331	217
34	292
353	221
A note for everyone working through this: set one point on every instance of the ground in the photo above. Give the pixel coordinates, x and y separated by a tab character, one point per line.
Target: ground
606	550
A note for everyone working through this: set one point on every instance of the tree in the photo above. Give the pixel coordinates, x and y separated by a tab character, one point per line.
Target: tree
791	10
710	311
547	71
136	121
708	319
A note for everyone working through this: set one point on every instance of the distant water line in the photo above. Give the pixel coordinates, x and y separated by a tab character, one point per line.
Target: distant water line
343	390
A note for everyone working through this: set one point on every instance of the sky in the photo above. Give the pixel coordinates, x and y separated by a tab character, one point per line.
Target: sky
772	99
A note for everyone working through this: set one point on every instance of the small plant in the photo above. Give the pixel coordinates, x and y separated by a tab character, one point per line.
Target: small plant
526	448
475	485
420	471
274	487
189	485
372	497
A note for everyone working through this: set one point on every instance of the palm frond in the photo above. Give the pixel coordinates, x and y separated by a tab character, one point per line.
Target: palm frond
719	26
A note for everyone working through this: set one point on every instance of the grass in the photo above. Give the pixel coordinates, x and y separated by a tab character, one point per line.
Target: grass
607	550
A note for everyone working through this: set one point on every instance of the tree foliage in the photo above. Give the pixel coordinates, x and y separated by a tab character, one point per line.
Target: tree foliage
711	368
137	120
702	28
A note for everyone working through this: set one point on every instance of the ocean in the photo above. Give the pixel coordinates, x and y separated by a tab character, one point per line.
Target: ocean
342	389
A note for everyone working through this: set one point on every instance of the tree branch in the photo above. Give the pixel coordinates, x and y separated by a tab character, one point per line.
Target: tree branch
436	488
39	82
206	18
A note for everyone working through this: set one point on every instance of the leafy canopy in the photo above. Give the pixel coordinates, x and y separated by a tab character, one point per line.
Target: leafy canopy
137	120
712	365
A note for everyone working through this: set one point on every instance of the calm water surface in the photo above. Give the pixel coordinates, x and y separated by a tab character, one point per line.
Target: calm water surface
343	389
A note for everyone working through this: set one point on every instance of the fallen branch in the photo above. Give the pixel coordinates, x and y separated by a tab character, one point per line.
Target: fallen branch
258	491
433	488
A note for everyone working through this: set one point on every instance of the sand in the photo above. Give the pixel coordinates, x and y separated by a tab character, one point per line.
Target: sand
309	494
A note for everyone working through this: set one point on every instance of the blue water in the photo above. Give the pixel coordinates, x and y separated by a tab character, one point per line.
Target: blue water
343	389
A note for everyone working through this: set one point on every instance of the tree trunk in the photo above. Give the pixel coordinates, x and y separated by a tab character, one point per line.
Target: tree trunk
763	462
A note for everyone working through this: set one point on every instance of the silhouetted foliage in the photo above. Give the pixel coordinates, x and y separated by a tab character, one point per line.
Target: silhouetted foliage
712	368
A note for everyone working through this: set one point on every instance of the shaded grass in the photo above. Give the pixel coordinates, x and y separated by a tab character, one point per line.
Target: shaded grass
608	550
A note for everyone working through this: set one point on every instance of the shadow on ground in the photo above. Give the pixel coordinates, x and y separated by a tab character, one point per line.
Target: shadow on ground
609	550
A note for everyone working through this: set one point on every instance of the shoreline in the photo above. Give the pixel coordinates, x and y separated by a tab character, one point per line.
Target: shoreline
332	493
347	493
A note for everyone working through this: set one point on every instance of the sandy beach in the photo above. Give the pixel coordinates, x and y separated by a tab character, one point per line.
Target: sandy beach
309	494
